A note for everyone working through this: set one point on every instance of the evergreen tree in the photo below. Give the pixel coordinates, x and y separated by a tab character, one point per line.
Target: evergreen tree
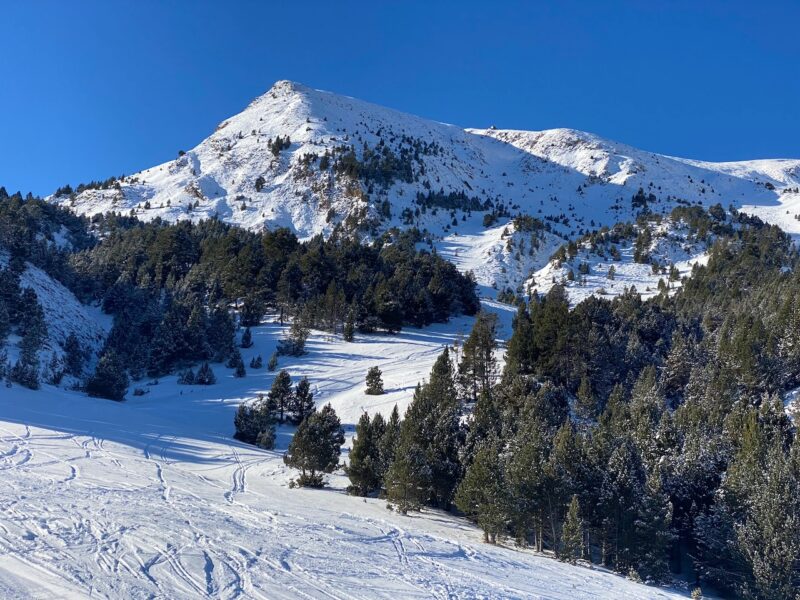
302	401
247	338
294	344
572	533
364	470
280	394
481	494
186	378
653	531
239	370
478	367
205	376
74	356
586	406
255	423
256	362
389	440
349	326
110	379
374	382
316	446
426	468
273	362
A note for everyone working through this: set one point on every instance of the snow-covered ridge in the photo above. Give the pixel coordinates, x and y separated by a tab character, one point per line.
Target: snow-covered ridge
577	181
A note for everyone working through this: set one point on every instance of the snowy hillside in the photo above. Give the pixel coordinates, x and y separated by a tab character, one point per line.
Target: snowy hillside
652	255
221	520
64	315
311	160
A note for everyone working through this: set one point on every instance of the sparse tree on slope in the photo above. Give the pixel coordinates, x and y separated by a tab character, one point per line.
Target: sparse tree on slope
316	446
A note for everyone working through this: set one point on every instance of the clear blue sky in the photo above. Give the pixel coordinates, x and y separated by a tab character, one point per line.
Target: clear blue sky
90	89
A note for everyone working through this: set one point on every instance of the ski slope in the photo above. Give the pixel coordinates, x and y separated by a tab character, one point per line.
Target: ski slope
152	498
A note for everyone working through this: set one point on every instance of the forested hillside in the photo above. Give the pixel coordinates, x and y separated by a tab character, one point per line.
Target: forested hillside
178	292
649	436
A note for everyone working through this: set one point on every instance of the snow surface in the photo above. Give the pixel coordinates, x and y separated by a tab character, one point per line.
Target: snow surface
563	174
152	498
672	245
64	315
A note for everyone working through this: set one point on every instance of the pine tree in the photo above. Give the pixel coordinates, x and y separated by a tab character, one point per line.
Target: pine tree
73	353
316	446
205	376
364	468
349	326
255	423
374	382
407	480
586	406
302	402
770	538
273	362
478	367
389	440
110	379
186	378
294	344
239	371
256	362
653	531
280	394
481	494
247	338
572	533
426	468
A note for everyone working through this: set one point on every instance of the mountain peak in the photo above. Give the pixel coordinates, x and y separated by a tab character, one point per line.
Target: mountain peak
315	161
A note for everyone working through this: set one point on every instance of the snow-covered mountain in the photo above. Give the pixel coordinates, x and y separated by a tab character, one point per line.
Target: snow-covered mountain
309	160
313	161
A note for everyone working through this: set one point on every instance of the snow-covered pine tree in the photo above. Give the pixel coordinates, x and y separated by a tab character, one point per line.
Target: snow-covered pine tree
280	395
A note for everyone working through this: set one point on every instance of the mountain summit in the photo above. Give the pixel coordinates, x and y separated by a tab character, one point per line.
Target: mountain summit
314	161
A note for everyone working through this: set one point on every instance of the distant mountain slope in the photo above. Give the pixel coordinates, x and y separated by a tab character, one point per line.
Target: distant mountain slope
314	161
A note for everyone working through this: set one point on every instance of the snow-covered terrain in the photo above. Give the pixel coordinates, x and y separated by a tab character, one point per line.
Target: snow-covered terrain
596	272
152	498
575	181
64	315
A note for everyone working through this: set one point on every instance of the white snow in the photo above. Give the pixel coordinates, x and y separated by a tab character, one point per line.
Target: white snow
153	498
672	245
64	315
560	173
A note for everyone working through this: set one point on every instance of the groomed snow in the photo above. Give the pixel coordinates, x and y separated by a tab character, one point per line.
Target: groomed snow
152	498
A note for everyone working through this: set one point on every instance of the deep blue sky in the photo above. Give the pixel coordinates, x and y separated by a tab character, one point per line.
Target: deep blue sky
90	89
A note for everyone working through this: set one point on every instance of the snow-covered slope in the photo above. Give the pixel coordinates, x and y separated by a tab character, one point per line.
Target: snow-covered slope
608	267
574	181
64	315
153	498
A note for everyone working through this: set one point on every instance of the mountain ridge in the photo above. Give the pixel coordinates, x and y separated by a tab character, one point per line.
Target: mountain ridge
319	163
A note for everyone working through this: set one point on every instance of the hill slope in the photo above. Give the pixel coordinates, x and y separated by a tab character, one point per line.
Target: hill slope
312	160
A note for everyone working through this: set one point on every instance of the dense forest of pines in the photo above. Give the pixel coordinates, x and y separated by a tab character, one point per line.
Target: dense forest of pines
646	436
179	291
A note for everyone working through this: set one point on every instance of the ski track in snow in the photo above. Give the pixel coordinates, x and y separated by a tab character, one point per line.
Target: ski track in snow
152	498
